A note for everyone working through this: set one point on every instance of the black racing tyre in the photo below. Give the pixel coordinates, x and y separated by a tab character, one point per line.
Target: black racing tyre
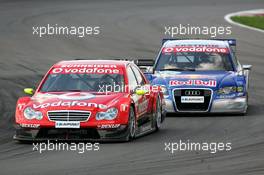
131	125
157	115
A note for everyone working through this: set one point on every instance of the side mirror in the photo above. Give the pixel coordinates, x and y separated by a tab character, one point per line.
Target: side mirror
146	69
29	91
149	69
247	67
141	92
149	76
246	71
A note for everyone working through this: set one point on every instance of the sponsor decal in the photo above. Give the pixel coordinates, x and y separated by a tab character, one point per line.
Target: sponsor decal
89	65
228	96
76	96
180	75
197	45
194	76
124	107
209	83
86	69
67	124
192	99
108	126
66	96
21	106
29	125
194	49
69	104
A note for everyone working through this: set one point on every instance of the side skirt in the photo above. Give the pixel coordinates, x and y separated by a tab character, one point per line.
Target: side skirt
145	129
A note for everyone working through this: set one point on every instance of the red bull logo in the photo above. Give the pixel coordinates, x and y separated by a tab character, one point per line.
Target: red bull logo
209	83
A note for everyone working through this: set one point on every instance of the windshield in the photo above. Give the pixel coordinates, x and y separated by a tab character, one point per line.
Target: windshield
194	61
84	82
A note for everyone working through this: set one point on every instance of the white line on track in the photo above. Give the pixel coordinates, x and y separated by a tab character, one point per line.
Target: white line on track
240	13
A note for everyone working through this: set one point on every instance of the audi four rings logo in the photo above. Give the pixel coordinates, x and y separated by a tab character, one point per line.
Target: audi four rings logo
192	92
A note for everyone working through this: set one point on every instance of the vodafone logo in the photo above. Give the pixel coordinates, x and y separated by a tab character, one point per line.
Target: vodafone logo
57	70
69	104
95	70
194	49
168	49
209	83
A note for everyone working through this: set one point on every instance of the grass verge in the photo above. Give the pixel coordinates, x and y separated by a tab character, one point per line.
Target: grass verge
253	21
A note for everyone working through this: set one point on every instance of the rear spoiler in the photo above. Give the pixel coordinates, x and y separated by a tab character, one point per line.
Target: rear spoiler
144	64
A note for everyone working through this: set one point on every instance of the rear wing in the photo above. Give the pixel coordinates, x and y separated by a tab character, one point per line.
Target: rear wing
144	64
231	42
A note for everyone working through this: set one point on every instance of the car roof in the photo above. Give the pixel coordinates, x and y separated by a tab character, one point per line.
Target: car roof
118	63
218	43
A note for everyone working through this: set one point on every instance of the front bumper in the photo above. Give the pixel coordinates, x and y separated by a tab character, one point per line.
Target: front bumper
169	106
235	105
80	134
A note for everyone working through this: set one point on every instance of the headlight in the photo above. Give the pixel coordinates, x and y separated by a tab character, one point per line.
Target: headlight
240	89
227	90
30	114
110	114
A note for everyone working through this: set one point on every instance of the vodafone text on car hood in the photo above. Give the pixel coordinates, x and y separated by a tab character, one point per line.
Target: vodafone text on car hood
74	101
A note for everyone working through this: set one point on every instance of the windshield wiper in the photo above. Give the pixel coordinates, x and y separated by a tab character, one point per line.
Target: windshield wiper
177	69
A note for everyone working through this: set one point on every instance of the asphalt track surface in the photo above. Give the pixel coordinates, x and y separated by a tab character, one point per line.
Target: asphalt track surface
129	29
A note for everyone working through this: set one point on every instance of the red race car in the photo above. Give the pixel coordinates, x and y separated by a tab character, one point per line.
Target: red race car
90	100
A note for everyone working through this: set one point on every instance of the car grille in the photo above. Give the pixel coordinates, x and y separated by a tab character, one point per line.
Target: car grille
192	107
69	115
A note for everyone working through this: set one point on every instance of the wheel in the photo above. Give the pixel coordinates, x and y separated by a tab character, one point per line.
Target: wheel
131	125
158	115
